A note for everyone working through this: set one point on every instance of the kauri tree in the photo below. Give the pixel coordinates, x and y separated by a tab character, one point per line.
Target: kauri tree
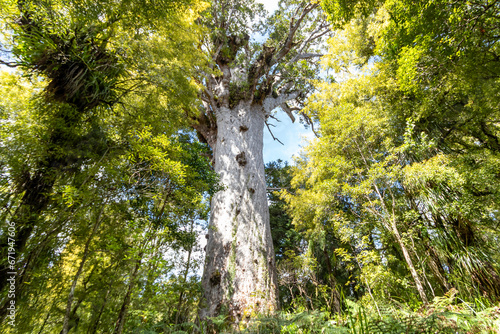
245	82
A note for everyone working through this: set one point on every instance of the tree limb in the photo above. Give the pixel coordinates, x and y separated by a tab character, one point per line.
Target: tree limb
288	110
270	103
311	123
9	64
294	26
272	135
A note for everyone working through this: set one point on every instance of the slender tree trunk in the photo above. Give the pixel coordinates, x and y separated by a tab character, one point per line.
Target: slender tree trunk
335	303
437	268
27	215
71	295
93	329
186	272
120	322
389	220
409	262
74	318
36	188
48	314
240	271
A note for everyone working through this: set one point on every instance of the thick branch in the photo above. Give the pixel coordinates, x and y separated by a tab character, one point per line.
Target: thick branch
306	56
270	103
224	85
207	132
260	66
270	56
289	110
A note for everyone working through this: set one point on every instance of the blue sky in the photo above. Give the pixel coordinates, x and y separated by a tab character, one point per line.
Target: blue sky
270	5
292	135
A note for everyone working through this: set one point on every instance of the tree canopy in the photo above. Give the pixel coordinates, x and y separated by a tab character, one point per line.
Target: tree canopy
408	124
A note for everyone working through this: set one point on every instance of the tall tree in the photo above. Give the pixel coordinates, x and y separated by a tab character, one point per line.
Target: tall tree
93	67
408	143
247	81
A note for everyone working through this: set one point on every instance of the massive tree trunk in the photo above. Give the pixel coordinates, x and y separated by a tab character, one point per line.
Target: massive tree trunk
243	84
240	274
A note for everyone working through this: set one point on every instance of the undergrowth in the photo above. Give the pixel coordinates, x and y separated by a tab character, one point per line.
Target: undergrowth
446	314
359	321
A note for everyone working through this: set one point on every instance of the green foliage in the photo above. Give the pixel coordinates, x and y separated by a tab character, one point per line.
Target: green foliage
444	315
307	275
96	174
400	174
232	43
285	237
342	11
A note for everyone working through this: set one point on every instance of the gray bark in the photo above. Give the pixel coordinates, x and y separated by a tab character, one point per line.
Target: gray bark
240	274
246	84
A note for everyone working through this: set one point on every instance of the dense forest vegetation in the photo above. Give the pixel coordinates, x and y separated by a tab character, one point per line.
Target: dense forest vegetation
131	137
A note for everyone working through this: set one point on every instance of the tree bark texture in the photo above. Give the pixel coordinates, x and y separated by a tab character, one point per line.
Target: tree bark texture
240	274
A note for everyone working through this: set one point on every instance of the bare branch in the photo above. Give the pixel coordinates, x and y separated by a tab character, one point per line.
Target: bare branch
12	65
310	122
309	55
272	135
275	118
323	29
277	189
306	56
